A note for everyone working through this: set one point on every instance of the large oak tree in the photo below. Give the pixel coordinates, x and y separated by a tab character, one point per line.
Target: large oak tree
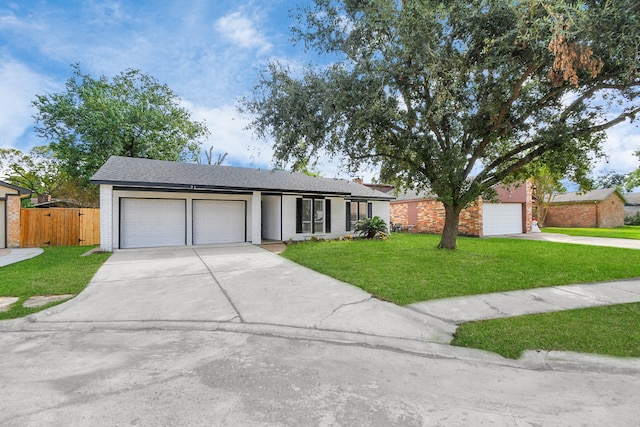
454	96
132	115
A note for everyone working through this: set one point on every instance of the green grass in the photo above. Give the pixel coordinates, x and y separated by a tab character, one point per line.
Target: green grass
609	330
624	232
59	270
408	268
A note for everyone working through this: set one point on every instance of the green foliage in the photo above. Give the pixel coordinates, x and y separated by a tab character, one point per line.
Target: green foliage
601	330
58	271
545	183
409	268
372	227
41	173
632	220
36	171
133	115
432	91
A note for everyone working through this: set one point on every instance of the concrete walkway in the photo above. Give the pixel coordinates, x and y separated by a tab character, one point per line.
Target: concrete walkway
530	301
11	256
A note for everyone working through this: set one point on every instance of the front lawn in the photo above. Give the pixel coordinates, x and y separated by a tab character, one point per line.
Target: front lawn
624	232
603	330
408	268
59	270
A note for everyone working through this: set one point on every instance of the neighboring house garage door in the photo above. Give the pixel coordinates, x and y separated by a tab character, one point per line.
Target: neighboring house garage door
218	221
501	218
146	223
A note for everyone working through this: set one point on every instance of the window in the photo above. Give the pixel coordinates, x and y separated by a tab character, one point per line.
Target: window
313	215
357	211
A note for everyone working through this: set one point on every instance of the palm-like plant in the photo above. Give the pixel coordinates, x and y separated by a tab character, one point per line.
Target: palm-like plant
371	227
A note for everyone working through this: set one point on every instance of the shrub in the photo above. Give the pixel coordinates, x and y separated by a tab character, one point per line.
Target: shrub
372	227
632	220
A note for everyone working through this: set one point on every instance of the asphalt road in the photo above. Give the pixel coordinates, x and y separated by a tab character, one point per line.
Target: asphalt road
169	378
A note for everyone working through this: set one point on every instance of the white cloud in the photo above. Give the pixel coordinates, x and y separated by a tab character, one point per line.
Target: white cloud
622	142
9	21
228	135
241	30
18	87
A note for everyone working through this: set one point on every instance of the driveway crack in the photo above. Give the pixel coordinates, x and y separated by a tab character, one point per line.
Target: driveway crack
344	305
215	279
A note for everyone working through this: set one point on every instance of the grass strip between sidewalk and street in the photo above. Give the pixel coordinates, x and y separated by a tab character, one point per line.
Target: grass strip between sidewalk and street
611	330
57	271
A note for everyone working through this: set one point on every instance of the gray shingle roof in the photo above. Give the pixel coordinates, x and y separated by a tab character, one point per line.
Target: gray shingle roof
632	198
127	171
415	195
588	197
20	190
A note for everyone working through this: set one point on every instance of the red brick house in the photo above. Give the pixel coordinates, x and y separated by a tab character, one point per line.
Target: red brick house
422	213
10	201
597	208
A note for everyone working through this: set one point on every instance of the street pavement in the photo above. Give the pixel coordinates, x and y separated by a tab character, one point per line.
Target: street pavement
236	335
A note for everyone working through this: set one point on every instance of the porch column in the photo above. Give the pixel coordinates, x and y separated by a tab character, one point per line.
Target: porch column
256	218
106	218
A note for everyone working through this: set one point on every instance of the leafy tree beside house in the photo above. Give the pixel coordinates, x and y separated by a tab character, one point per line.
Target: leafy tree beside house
131	115
454	96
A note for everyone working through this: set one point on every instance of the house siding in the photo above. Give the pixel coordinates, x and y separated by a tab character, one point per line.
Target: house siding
606	214
338	216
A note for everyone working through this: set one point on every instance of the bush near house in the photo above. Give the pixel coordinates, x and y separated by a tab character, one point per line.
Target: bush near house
372	227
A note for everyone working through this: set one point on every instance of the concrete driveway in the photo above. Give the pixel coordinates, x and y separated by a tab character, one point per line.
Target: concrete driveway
234	284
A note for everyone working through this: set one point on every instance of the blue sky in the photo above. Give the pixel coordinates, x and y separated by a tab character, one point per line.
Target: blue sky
208	52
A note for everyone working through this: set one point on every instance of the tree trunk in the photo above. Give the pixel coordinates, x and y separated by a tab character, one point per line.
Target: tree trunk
450	232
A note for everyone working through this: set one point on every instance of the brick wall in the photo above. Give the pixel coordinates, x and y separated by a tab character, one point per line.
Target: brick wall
13	221
572	215
607	213
430	217
611	212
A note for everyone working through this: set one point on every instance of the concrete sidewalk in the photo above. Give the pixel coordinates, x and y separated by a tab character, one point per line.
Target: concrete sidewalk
577	240
539	300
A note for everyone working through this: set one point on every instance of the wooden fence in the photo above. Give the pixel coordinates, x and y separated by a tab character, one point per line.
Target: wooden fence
59	227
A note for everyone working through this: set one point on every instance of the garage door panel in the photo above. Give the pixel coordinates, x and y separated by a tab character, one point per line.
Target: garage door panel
219	221
148	223
501	218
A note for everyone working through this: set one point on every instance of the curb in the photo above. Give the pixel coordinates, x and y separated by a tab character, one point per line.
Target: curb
530	360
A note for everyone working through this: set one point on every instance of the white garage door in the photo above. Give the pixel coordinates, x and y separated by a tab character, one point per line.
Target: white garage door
146	223
218	221
501	218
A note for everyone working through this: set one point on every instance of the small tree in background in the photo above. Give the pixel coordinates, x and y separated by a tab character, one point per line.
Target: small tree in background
132	115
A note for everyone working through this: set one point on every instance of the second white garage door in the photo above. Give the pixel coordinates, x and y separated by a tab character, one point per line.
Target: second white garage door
501	218
219	221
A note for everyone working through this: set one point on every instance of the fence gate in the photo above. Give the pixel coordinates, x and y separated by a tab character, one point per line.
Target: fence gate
59	227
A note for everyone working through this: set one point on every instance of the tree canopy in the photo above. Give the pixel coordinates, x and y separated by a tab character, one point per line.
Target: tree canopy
132	115
454	96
